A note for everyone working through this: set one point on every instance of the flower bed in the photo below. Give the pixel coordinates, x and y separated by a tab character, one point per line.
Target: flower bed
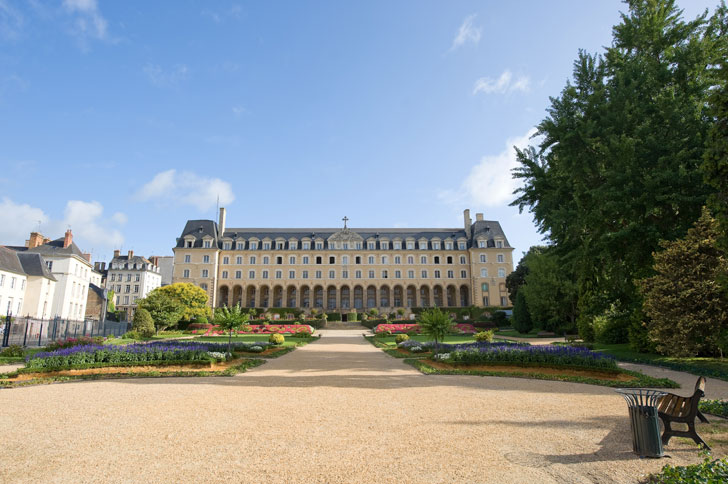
90	354
406	328
260	329
517	354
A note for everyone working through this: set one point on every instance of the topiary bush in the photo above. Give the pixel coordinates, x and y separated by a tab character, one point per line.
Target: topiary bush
401	338
484	336
276	339
521	317
499	318
131	335
143	323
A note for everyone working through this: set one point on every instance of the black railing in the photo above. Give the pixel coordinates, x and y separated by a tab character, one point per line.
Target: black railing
39	332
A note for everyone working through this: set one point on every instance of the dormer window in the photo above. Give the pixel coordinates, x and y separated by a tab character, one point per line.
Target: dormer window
226	246
208	244
306	245
461	245
266	245
279	245
436	245
423	245
253	245
397	245
384	245
448	245
240	245
499	244
358	245
319	245
481	244
346	245
410	245
293	245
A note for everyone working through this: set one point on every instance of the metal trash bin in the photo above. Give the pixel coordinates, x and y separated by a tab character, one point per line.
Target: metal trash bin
646	441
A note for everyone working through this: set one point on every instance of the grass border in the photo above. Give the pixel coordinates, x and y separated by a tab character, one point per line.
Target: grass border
242	367
641	379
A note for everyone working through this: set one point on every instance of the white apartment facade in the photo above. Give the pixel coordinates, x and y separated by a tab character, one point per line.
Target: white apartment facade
131	278
72	270
12	283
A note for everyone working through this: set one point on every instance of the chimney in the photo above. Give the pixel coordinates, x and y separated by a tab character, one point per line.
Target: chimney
221	223
467	222
478	217
68	239
35	240
117	253
87	257
131	254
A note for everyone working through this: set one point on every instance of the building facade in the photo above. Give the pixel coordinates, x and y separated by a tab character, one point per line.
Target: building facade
27	287
347	268
70	267
131	277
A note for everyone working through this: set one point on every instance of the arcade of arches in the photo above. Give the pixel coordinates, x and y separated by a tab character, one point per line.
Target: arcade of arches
343	297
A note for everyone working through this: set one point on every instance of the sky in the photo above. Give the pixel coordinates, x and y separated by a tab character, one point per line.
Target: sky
122	120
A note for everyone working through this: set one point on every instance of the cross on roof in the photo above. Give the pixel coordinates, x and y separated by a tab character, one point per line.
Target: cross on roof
345	219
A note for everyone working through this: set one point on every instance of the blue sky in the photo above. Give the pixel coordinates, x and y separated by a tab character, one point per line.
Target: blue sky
124	119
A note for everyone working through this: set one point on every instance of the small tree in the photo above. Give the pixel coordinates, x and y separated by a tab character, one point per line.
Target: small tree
684	301
521	317
373	312
435	324
166	311
143	323
110	306
192	298
231	319
400	312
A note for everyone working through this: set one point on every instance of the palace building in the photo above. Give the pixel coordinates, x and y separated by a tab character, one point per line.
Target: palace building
347	268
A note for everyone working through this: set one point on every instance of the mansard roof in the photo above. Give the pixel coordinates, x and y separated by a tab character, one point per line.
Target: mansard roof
199	229
34	265
55	248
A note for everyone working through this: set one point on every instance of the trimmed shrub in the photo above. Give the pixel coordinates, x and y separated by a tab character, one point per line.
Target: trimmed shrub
401	338
276	339
143	323
521	317
333	316
353	316
131	335
13	351
484	337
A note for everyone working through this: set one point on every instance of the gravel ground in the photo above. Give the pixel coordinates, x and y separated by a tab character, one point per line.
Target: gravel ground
335	411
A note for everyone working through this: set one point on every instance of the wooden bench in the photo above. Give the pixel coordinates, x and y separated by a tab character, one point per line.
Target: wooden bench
674	408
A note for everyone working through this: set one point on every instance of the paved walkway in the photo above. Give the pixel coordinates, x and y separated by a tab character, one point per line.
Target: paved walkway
335	411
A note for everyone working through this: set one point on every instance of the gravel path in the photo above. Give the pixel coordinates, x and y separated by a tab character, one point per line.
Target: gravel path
335	411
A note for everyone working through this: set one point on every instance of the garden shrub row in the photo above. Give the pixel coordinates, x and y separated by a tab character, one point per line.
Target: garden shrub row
484	353
87	354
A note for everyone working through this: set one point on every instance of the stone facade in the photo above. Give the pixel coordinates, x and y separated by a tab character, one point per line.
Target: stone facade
131	277
348	268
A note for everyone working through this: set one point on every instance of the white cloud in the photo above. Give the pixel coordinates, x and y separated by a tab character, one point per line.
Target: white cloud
504	84
490	182
466	33
120	218
88	22
186	188
17	221
85	219
161	77
239	111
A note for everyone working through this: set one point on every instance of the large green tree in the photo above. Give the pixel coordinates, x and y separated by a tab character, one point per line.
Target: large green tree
550	293
517	278
617	167
192	298
687	308
715	165
165	310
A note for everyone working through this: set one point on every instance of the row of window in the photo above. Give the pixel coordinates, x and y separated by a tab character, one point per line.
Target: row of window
127	288
10	307
305	260
344	274
13	282
125	299
128	277
383	245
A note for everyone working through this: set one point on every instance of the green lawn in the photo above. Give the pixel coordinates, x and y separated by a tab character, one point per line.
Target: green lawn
251	338
156	337
455	338
714	367
515	334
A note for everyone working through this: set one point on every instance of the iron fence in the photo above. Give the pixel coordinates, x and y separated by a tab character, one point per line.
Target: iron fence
39	332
